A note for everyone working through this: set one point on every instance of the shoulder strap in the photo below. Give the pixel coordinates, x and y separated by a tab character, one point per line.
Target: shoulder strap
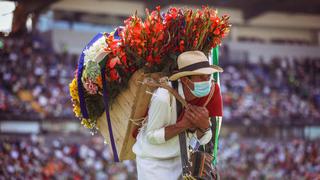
209	146
182	139
210	95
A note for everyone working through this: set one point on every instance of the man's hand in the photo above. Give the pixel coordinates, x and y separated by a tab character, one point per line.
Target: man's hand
184	124
186	120
199	116
193	117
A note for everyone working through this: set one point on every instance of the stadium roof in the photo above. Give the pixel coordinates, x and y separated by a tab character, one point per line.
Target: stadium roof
114	8
115	11
250	8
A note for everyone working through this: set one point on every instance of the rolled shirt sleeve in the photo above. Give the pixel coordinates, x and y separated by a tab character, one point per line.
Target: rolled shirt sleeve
156	136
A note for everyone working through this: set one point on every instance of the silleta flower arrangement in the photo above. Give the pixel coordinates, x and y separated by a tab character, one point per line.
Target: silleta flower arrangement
152	44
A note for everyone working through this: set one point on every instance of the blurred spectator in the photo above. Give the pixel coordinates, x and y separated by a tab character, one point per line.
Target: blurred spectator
282	92
251	159
26	65
46	158
42	157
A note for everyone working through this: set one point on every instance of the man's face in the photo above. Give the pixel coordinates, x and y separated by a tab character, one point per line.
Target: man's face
189	80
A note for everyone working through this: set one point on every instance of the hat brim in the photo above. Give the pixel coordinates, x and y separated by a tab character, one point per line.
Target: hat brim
207	70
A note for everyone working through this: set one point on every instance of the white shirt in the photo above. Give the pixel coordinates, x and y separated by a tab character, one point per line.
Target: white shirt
162	112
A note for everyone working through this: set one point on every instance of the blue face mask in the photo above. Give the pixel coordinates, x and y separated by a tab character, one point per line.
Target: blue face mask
201	89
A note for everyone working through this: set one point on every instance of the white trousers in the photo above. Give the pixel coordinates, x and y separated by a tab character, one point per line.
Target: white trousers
158	169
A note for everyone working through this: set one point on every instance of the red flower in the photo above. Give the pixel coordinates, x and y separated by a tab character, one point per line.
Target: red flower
160	38
217	31
157	59
181	47
113	62
124	59
139	50
114	75
149	58
217	20
199	13
195	43
147	27
174	12
158	8
137	29
153	40
216	41
159	27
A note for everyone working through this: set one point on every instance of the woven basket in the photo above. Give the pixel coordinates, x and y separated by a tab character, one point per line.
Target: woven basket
131	104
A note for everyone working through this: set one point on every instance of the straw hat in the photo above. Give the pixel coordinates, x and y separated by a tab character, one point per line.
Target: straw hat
193	63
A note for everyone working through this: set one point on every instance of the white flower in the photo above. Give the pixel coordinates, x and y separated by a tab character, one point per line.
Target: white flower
91	52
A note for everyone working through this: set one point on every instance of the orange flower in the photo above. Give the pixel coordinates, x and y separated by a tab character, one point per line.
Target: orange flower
99	81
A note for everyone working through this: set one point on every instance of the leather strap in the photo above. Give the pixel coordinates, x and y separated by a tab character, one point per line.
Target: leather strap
182	139
210	95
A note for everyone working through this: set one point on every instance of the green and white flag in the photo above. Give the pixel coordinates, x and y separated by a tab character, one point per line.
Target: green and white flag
218	119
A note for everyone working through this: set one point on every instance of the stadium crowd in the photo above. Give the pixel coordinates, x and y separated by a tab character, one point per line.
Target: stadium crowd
283	91
251	159
40	157
238	158
30	64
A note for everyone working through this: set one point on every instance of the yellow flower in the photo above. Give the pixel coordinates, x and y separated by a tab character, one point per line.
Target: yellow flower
76	109
73	88
87	124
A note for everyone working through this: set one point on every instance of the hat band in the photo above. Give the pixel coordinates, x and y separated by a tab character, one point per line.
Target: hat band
195	66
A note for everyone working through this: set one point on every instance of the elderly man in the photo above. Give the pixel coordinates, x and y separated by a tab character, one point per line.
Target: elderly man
157	148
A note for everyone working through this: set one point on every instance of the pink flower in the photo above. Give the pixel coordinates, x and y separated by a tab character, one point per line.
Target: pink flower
91	87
